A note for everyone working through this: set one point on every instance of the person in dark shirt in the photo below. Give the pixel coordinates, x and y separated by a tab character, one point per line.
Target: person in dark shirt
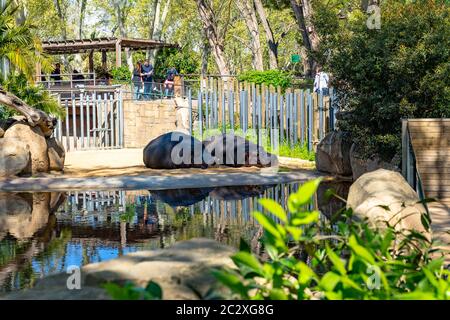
137	81
56	74
77	77
169	83
147	77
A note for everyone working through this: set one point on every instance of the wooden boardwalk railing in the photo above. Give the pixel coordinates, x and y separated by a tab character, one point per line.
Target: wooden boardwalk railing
430	140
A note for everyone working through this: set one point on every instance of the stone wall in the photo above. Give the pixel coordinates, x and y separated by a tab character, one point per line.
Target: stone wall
146	120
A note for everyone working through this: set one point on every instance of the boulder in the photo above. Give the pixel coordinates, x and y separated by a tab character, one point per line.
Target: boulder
384	196
35	139
361	165
56	155
14	156
333	154
2	132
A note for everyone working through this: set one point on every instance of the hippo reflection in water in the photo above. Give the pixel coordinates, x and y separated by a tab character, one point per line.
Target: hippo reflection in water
188	197
181	197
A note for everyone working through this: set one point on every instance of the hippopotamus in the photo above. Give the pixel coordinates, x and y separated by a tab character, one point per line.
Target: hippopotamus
181	197
174	150
235	151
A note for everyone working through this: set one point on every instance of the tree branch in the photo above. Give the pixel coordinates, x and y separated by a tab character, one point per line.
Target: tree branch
34	117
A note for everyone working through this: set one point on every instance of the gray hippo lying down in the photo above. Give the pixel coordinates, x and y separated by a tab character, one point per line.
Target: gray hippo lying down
235	151
176	150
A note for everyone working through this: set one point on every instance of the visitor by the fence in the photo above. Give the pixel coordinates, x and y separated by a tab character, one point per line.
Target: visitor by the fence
147	77
169	83
56	74
321	82
137	80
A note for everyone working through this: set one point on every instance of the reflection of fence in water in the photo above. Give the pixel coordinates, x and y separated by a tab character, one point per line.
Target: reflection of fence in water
214	211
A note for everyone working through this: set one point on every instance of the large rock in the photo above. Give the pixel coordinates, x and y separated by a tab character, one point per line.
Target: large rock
14	156
333	154
361	165
384	196
177	269
56	155
35	139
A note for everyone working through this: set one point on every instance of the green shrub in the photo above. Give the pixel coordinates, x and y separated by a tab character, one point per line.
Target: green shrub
121	74
341	259
35	96
399	71
185	61
274	78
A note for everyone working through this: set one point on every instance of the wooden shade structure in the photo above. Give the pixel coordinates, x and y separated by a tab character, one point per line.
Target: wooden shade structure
103	45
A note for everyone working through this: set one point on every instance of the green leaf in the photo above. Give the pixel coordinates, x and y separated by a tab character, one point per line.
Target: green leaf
310	217
154	290
244	246
268	224
274	208
295	232
337	262
278	294
304	194
231	281
305	273
360	251
247	259
329	281
426	221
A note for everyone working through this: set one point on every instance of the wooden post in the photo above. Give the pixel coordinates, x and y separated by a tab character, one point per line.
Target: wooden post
119	53
38	71
91	62
104	60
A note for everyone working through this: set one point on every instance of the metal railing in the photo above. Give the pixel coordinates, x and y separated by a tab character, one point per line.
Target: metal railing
294	117
409	167
92	121
56	82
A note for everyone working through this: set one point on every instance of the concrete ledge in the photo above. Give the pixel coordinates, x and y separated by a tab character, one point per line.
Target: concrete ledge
155	182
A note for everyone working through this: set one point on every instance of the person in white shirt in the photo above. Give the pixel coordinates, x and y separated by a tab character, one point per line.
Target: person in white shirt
321	82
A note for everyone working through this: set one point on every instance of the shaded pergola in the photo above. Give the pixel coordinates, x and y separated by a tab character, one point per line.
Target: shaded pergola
102	45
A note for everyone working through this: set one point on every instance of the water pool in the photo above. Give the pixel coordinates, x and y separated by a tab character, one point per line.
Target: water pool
45	233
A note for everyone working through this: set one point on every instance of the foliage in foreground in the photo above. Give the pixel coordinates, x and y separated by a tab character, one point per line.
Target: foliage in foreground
311	259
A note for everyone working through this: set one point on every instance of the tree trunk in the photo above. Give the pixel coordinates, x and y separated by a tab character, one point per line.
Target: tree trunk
216	41
271	43
34	117
303	13
82	15
157	25
248	13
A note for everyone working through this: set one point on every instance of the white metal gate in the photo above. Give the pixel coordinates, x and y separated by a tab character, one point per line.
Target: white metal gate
93	121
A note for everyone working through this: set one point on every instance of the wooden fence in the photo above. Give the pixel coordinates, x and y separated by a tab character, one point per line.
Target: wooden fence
291	116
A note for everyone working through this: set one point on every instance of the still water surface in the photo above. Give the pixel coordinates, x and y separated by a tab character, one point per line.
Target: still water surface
45	233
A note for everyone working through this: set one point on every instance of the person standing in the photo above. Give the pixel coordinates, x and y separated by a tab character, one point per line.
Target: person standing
321	82
170	81
56	74
147	77
137	81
